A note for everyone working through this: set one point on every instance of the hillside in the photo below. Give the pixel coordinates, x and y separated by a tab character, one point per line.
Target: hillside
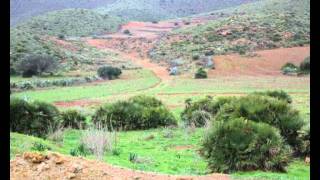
72	54
144	10
70	22
261	25
149	10
23	9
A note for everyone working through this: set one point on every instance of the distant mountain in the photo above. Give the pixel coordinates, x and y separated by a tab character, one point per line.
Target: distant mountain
23	9
145	10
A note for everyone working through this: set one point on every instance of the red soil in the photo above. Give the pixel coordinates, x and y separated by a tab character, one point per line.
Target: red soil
81	103
56	166
267	62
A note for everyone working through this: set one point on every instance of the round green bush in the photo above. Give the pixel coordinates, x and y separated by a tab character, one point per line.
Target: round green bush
139	112
36	118
265	109
244	145
289	68
73	119
304	141
281	95
108	72
208	104
305	65
200	74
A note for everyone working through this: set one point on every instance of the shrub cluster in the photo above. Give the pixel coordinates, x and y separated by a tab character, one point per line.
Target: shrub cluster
73	119
109	72
268	110
38	83
258	131
241	144
36	118
200	111
139	112
305	65
36	65
281	95
200	74
289	68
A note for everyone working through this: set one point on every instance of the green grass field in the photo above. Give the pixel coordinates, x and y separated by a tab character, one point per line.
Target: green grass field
177	154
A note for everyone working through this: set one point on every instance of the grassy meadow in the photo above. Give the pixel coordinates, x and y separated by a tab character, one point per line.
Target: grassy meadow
165	150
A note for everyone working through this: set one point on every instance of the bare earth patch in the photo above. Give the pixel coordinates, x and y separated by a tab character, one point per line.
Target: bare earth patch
267	62
56	166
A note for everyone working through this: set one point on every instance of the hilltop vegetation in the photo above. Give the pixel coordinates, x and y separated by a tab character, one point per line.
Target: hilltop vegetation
23	9
149	10
71	55
260	25
71	22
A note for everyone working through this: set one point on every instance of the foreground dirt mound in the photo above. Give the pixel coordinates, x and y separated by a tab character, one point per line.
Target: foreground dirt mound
36	166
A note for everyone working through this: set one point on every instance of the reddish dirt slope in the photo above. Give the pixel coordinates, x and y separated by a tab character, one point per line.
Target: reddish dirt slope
55	166
267	62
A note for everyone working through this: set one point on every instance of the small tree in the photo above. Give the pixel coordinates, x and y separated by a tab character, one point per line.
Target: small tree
61	36
127	32
305	65
200	74
289	68
109	72
36	65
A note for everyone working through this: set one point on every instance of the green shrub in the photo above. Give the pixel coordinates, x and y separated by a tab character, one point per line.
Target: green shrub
304	141
195	57
289	68
194	111
244	145
35	118
109	72
61	36
127	32
36	146
200	74
80	150
265	109
36	65
73	119
305	65
139	112
281	95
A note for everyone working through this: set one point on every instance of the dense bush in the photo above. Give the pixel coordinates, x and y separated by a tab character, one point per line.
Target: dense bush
36	65
243	145
73	119
289	68
304	141
109	72
36	118
195	56
281	95
265	109
127	32
194	111
139	112
200	74
305	65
